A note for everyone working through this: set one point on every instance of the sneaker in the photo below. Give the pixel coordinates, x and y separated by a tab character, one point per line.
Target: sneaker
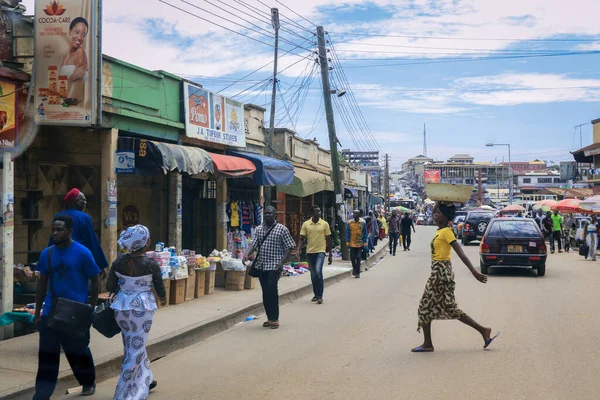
314	298
88	390
357	276
320	301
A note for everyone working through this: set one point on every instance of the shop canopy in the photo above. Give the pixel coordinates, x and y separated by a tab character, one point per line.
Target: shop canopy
350	193
135	155
373	200
232	167
269	171
307	182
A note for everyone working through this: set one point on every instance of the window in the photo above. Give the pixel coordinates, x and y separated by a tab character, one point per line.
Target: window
526	180
544	180
514	229
556	180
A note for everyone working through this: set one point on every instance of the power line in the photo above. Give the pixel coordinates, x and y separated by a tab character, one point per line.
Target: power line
268	34
458	60
463	38
260	68
451	48
298	15
383	89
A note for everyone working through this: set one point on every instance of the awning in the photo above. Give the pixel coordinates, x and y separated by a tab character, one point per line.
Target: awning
140	156
232	167
375	199
350	193
269	171
307	182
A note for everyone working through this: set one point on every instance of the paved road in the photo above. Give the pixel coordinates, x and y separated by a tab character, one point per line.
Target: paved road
357	344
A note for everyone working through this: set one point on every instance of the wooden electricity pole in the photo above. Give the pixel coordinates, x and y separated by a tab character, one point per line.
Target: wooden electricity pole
339	220
271	132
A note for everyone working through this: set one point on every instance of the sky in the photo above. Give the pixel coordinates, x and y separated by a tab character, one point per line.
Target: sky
474	71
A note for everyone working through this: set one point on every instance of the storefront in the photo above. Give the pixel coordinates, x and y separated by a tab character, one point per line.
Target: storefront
309	188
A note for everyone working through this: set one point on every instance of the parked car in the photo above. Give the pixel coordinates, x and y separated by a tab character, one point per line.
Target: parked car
457	226
513	242
475	224
421	219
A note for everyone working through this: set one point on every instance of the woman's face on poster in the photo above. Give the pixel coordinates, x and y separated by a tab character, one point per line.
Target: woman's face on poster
77	35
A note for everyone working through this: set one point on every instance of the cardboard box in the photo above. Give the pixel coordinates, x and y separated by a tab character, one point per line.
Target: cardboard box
200	282
190	287
209	283
250	282
219	276
178	291
168	289
235	280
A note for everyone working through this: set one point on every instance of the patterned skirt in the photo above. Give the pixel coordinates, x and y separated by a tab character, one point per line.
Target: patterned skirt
438	300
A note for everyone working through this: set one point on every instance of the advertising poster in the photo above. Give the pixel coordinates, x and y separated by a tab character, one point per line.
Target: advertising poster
213	118
66	69
8	119
431	176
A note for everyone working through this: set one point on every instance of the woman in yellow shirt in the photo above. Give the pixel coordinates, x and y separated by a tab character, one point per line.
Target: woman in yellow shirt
438	301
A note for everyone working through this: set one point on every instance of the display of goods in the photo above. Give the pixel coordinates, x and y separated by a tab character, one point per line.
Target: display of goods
201	262
179	268
233	265
449	192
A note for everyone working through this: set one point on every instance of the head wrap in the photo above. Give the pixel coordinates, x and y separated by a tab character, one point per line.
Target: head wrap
448	209
72	195
134	238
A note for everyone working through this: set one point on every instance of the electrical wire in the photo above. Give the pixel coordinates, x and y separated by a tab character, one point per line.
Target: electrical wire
452	48
462	38
296	14
458	60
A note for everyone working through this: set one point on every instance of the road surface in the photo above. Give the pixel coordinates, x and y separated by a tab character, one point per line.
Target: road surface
357	344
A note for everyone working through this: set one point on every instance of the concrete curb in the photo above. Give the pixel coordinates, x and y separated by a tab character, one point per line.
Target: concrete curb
111	366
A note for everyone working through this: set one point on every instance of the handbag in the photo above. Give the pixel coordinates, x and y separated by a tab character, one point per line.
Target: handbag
254	272
67	316
104	320
584	250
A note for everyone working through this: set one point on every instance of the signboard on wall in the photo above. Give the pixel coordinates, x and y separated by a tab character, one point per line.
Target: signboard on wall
66	62
8	118
568	170
431	176
212	117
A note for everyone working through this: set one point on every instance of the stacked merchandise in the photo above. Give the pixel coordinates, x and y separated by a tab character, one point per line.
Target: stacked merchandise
25	279
238	242
295	269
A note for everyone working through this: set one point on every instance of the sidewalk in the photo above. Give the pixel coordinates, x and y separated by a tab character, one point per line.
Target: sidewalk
174	328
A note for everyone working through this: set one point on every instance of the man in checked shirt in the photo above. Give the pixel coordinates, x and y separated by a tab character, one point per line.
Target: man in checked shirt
274	245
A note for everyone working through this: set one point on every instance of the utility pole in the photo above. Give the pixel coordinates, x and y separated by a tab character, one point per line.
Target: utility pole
424	141
387	183
271	133
338	221
6	244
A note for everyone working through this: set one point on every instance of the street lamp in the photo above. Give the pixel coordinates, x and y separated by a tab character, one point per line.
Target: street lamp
510	172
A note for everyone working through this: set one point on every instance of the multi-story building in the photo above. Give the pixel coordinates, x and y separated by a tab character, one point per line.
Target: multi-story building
520	167
461	159
409	166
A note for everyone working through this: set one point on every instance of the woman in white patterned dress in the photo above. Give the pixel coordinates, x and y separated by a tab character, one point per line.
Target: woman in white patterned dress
133	275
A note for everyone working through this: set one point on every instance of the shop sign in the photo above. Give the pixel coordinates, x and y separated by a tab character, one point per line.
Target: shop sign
131	215
66	62
8	119
212	117
125	162
431	176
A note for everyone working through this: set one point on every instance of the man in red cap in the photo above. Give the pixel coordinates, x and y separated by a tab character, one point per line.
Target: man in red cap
83	228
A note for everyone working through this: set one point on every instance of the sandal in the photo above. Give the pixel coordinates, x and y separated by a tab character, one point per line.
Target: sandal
267	324
274	324
88	390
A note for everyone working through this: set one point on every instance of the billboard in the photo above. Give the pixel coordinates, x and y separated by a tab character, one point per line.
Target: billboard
431	176
8	115
568	170
212	117
66	62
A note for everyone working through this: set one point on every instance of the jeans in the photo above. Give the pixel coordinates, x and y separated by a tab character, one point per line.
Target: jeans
315	264
356	258
393	241
556	235
371	243
76	350
268	282
406	240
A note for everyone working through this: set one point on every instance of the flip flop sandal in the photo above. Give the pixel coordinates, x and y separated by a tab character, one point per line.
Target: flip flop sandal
490	340
274	324
421	350
267	324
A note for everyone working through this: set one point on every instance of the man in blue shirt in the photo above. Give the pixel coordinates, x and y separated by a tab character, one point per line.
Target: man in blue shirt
83	228
69	266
